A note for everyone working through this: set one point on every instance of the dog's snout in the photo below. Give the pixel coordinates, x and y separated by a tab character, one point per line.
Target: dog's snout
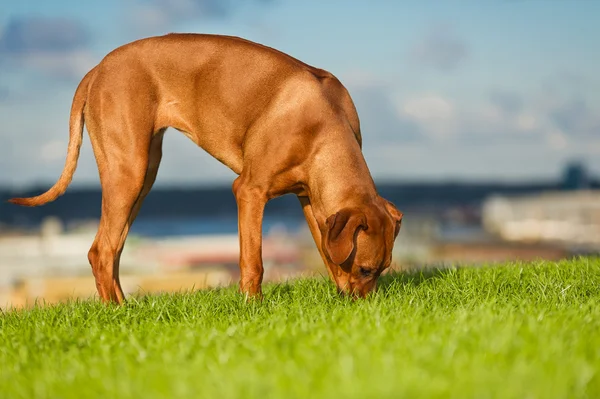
358	288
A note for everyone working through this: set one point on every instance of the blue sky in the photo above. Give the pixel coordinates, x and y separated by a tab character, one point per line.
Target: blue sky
463	90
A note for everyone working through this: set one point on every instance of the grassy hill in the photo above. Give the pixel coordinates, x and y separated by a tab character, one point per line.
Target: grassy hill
510	331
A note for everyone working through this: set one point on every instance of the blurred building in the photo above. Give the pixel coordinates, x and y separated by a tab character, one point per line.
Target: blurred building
568	217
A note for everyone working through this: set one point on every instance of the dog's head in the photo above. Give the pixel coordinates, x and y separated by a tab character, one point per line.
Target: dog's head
359	241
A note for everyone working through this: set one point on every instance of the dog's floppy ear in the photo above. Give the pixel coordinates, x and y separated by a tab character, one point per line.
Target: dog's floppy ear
396	215
340	236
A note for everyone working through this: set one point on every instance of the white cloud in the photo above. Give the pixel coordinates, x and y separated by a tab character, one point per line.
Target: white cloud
435	114
69	65
498	118
526	122
429	108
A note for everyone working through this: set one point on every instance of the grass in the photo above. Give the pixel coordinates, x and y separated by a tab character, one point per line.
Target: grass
513	331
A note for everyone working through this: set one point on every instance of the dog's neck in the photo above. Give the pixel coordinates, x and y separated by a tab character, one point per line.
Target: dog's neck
339	178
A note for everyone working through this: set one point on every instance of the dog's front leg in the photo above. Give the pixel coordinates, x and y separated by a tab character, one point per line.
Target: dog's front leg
336	273
251	202
311	220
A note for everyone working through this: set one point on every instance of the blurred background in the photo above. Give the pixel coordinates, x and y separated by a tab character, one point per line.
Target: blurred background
480	120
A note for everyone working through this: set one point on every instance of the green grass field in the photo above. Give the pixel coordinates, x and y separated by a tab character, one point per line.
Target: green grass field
513	331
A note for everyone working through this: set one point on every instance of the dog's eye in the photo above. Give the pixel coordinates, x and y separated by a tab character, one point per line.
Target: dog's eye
365	272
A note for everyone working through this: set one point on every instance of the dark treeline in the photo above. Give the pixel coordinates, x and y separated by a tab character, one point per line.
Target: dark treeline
84	203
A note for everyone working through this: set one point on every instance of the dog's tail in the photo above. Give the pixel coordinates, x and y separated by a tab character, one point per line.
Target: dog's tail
76	122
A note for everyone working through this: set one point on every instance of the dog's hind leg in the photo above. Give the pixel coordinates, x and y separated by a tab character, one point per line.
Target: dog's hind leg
154	158
128	163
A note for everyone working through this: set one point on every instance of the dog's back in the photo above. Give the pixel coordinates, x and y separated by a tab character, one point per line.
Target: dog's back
216	89
222	71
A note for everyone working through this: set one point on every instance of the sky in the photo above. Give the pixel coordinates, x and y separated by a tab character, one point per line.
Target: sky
504	90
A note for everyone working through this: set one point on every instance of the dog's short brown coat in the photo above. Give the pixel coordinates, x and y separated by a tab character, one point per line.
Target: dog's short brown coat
281	125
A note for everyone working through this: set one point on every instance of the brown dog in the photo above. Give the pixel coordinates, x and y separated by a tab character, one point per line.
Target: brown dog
281	125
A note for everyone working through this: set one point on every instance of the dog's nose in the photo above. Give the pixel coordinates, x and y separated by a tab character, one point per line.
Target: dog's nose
355	290
363	290
345	289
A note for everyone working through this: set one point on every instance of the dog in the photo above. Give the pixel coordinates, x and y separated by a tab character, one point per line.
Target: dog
281	125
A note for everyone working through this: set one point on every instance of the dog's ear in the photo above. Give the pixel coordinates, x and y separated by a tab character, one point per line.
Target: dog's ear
396	215
340	235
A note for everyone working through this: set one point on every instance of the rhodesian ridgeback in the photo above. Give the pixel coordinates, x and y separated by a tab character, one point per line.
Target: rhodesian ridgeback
281	125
